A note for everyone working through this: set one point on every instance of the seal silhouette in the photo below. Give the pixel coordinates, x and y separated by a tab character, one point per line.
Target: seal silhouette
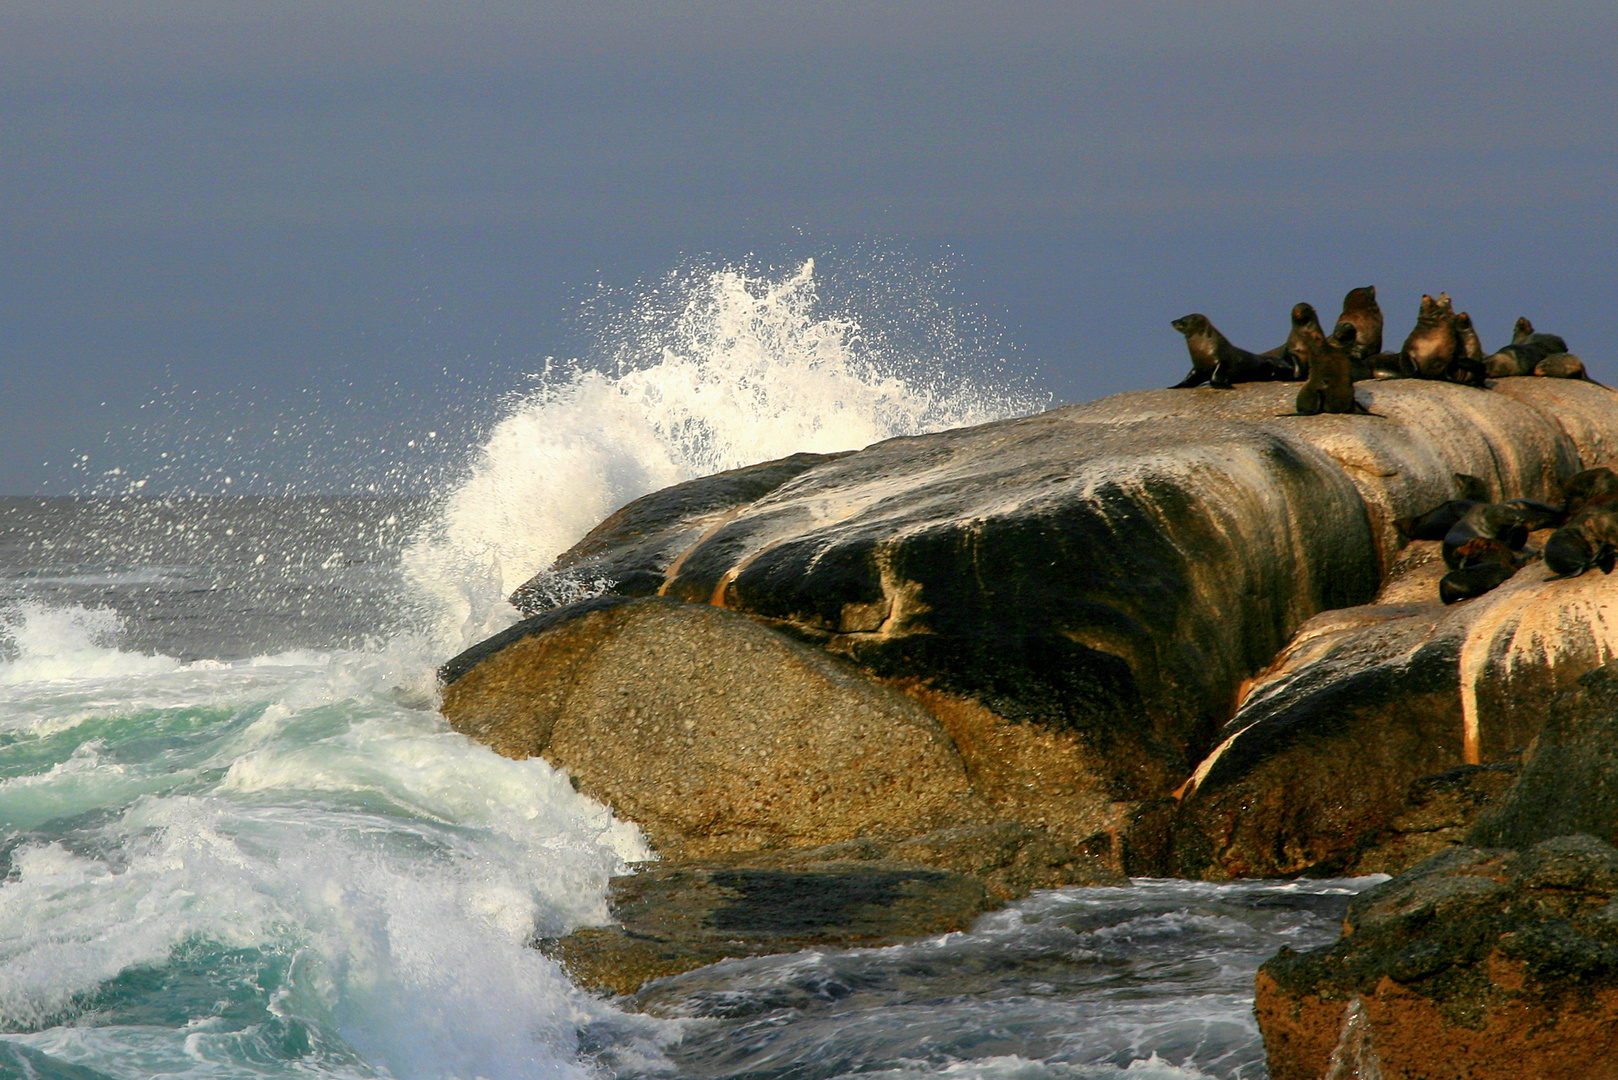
1215	361
1468	365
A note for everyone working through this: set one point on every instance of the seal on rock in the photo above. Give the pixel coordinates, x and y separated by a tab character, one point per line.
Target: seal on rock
1435	523
1330	388
1590	538
1481	565
1468	366
1430	348
1528	347
1585	487
1485	521
1562	365
1215	361
1360	309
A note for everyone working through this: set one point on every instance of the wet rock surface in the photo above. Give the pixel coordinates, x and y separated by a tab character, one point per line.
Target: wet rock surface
634	547
1478	963
1496	957
675	918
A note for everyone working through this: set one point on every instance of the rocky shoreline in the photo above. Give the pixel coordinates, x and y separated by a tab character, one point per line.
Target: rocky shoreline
1169	632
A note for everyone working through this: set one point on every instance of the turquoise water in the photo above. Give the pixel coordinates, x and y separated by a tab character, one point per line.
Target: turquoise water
236	840
284	864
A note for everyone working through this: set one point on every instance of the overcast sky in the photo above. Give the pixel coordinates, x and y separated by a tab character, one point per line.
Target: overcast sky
322	229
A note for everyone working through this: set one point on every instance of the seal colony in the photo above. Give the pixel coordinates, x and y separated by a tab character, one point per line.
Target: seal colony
1443	345
1484	543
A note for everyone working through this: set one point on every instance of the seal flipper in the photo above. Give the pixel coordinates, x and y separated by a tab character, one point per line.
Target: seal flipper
1196	378
1607	559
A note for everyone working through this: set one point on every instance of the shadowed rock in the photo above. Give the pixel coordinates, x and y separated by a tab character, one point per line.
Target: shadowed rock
1317	766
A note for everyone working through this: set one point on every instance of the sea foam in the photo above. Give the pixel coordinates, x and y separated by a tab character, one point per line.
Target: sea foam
738	369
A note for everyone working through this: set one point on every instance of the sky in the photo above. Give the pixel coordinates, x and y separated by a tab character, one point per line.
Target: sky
320	230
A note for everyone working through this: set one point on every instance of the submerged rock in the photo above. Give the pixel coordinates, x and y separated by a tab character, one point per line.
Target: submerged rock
673	918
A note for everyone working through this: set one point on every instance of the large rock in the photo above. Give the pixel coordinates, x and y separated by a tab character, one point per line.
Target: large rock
1334	759
1570	781
1076	600
1496	958
1478	964
711	732
717	734
1111	572
634	546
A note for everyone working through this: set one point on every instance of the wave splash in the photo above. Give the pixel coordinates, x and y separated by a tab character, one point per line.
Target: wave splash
735	369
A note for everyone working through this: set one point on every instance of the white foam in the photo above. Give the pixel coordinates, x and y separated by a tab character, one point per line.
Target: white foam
53	644
745	369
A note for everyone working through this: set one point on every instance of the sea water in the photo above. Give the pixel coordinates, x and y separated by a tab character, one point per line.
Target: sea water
236	840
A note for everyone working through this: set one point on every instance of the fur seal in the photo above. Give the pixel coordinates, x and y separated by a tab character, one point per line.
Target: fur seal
1330	388
1585	487
1430	349
1293	350
1528	347
1360	309
1485	521
1590	538
1438	521
1536	515
1562	365
1481	565
1215	361
1468	366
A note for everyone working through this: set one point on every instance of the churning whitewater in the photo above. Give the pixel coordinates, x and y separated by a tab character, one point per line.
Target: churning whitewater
236	840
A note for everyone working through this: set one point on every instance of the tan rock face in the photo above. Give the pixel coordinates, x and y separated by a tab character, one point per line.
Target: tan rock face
715	733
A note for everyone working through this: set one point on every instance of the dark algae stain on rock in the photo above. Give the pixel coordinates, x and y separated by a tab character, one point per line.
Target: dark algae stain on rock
677	917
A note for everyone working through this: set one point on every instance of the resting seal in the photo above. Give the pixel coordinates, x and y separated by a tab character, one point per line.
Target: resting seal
1361	311
1562	365
1486	521
1430	349
1330	388
1583	488
1525	352
1435	523
1481	565
1215	361
1590	538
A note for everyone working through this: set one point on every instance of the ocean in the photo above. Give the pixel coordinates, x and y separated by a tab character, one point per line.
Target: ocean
236	839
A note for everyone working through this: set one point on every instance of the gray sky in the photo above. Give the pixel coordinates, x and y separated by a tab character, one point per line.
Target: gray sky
324	228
